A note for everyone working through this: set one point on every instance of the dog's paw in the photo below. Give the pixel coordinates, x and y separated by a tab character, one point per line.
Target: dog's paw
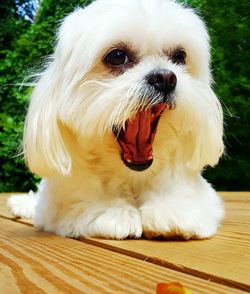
23	205
180	222
118	222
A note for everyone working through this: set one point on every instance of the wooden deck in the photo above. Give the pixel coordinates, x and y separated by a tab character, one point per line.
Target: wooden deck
36	262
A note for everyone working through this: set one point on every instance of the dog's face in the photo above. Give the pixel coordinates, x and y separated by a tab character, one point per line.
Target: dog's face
136	69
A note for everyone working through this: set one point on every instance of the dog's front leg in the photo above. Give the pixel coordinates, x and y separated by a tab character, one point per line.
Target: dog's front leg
186	209
114	219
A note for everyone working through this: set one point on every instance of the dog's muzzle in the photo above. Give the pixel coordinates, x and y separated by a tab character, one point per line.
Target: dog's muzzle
136	139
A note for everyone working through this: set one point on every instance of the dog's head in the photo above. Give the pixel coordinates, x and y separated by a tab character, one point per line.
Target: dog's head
138	69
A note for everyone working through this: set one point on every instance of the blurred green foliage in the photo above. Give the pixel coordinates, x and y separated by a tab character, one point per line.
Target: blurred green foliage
229	23
24	45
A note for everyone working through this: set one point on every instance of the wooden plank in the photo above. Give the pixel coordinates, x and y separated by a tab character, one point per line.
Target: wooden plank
224	259
38	262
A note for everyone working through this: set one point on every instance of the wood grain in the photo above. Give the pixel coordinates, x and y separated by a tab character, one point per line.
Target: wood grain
38	262
224	259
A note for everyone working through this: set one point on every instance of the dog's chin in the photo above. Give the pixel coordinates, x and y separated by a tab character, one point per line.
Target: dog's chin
137	137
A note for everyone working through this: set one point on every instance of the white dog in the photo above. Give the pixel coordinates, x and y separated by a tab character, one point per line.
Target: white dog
121	124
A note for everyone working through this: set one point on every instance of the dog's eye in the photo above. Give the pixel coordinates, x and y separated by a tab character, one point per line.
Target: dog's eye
117	57
179	57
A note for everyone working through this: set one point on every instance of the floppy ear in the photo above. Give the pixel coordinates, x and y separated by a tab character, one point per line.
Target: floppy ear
44	148
206	138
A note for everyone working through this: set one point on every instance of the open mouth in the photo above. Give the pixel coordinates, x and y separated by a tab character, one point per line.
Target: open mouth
136	139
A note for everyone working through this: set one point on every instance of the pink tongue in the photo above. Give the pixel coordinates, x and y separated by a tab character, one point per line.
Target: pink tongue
137	139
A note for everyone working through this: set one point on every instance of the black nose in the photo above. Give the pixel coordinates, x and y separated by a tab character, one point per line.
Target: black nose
162	80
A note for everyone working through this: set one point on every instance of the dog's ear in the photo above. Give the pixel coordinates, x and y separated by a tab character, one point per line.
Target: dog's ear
204	143
44	145
44	148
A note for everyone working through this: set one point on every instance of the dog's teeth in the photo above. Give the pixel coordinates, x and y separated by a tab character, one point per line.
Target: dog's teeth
150	157
129	161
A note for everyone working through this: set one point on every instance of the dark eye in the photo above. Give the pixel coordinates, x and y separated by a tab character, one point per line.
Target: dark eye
117	57
179	57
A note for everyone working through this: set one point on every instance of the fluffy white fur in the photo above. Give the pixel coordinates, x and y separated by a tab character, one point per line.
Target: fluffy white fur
87	190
